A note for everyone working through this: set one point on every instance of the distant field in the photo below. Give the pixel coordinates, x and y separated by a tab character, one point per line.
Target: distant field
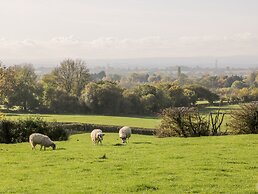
147	164
225	108
143	122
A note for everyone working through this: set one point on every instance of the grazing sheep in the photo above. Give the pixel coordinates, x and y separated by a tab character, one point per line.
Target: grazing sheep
42	140
97	136
125	133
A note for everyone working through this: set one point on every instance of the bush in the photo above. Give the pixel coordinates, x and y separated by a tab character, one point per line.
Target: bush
19	131
245	119
6	131
182	122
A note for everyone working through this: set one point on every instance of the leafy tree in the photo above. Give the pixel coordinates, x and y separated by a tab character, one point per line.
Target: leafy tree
131	103
203	93
244	94
138	77
113	78
72	76
103	97
98	76
238	84
154	78
254	94
59	101
25	91
7	83
152	95
251	78
231	79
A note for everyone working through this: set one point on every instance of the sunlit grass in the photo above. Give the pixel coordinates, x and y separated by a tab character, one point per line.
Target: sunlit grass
147	164
143	122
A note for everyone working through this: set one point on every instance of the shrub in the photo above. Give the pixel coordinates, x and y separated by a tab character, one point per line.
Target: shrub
182	122
245	119
19	131
6	131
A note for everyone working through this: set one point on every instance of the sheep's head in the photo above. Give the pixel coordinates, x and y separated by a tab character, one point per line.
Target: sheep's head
100	136
53	146
123	139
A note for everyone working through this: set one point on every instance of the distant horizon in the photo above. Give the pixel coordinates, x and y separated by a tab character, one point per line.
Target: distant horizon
223	61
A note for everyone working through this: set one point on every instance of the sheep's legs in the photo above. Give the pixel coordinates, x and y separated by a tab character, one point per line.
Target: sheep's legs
41	147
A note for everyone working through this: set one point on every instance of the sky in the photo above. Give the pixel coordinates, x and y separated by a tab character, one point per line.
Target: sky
34	30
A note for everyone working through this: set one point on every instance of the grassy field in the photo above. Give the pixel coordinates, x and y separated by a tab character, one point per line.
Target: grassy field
143	122
147	164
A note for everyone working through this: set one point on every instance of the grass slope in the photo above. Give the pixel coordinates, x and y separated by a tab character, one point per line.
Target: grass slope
146	164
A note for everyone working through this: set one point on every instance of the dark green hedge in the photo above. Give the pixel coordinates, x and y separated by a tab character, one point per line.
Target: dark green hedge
19	131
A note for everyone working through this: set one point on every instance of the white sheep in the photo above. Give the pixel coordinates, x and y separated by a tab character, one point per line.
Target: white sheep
97	136
42	140
125	133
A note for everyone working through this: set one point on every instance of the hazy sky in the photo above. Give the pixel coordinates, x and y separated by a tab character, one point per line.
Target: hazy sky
48	29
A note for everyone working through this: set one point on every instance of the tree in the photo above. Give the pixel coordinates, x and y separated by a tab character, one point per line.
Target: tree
203	93
138	77
98	76
113	78
25	92
103	97
244	94
151	98
238	84
154	78
59	101
72	76
7	82
131	103
175	95
230	80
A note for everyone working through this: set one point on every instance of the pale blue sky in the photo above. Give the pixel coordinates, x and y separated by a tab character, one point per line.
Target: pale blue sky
40	29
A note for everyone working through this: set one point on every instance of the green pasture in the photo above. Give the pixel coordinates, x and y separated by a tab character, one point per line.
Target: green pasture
142	122
147	164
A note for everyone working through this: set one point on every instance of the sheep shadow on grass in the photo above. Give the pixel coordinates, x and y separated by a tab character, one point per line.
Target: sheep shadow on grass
118	144
142	142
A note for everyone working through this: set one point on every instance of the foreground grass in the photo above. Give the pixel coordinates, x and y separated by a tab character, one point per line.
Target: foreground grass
142	122
146	164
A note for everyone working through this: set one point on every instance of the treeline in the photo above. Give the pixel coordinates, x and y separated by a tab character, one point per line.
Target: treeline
70	88
231	88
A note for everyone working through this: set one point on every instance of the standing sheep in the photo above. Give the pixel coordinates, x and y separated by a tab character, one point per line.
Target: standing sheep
125	133
42	140
97	136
